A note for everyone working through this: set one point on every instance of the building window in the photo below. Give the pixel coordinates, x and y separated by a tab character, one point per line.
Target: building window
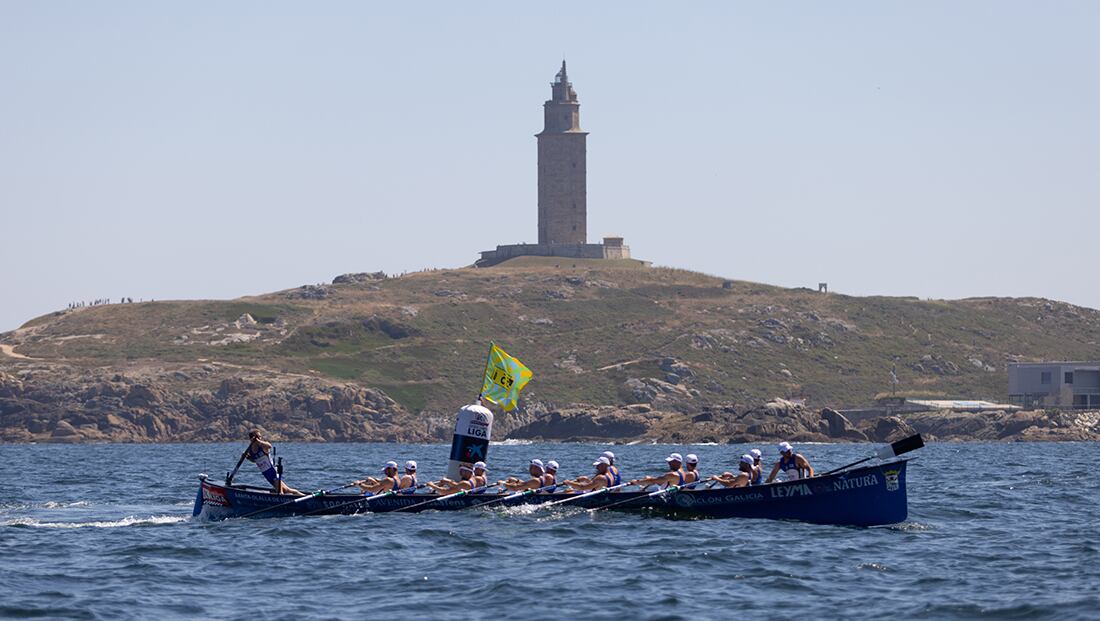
574	227
1044	377
1069	377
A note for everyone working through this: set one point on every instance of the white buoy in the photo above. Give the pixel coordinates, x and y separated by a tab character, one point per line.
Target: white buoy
470	444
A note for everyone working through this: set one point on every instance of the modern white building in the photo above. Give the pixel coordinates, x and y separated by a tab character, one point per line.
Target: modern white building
1060	384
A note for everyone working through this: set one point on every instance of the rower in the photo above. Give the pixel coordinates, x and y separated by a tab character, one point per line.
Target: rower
757	469
537	471
388	482
603	477
407	483
259	452
674	476
550	479
613	469
791	464
446	486
480	478
691	472
743	478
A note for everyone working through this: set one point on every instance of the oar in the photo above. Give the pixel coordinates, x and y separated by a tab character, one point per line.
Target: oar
585	495
526	492
454	495
903	445
366	499
229	477
671	489
320	492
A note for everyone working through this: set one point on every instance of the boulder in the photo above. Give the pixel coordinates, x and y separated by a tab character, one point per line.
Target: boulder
141	396
890	428
64	428
357	278
840	427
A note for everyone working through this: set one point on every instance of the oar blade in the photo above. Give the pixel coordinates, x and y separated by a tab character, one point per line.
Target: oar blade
902	446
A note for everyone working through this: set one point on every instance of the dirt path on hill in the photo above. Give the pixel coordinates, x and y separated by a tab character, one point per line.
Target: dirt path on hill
9	350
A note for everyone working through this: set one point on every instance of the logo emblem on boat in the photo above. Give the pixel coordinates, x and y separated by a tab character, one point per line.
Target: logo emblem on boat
684	500
892	480
216	497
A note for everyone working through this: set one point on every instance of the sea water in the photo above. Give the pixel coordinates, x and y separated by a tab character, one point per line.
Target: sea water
104	532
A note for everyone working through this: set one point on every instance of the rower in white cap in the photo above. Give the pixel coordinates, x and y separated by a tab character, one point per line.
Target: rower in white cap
536	468
551	477
691	468
603	477
791	464
757	469
407	483
446	486
387	483
743	478
613	469
480	478
674	476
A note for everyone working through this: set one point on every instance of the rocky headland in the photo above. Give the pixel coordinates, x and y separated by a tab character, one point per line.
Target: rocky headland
620	354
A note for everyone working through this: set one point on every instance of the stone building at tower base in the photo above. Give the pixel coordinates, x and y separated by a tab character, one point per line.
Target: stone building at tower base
611	248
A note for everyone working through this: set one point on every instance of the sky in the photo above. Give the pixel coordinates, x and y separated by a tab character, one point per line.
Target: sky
181	150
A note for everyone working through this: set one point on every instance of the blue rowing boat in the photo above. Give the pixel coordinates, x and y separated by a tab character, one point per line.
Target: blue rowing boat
865	496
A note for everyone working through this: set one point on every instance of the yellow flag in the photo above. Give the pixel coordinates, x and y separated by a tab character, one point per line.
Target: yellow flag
504	378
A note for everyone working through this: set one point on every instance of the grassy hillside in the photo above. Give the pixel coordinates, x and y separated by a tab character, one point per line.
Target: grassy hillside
585	328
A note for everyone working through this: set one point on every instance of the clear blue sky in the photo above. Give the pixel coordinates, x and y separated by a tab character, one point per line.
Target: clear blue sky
207	150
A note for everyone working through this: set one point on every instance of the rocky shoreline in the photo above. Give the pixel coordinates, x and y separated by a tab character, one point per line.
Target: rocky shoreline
215	402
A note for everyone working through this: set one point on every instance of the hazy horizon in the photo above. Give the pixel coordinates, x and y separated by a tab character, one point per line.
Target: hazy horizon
176	151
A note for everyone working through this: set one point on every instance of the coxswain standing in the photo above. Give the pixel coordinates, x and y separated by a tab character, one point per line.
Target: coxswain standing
388	483
742	479
446	486
537	471
674	476
259	452
791	464
603	478
691	471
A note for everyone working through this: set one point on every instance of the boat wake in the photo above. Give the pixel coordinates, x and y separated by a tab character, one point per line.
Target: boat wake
126	521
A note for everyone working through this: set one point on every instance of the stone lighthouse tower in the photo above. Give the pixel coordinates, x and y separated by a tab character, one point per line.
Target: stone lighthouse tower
563	196
562	179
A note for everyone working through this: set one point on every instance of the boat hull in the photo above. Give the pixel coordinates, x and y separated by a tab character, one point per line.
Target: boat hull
868	496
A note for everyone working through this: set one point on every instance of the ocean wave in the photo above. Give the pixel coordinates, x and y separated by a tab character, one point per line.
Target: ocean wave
126	521
512	442
50	504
